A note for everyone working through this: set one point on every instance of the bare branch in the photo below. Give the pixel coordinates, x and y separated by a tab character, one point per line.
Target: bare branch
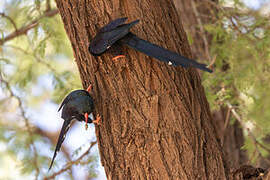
44	63
211	65
202	32
250	134
53	140
23	30
227	119
69	164
48	5
10	19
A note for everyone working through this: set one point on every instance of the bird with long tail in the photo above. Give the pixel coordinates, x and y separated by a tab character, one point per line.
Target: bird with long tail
77	105
116	31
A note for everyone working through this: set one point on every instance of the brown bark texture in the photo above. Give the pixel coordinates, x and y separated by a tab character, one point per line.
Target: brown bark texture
156	119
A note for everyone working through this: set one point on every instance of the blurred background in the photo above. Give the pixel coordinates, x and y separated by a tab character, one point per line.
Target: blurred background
37	70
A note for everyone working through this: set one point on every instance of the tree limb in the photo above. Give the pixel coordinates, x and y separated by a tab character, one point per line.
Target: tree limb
23	30
250	134
69	164
10	19
202	31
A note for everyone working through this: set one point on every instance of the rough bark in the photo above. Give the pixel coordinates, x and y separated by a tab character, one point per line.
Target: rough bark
156	119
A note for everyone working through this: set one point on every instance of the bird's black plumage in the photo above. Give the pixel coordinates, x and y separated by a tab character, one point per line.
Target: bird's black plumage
117	31
109	34
74	106
160	53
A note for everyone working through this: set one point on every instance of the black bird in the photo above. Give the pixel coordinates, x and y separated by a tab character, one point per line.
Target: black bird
109	34
117	31
77	105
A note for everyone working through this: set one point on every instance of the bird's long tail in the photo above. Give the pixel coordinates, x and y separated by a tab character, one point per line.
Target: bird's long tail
160	53
61	138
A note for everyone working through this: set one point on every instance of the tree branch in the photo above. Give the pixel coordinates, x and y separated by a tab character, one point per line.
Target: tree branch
202	31
23	30
69	164
10	19
250	134
48	5
44	63
227	119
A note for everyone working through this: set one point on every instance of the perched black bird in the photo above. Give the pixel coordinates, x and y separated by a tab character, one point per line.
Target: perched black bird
117	31
77	105
109	34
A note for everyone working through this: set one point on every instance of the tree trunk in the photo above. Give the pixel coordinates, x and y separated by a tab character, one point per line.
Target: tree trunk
156	119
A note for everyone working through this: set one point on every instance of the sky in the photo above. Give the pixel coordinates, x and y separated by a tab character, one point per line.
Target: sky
47	117
255	4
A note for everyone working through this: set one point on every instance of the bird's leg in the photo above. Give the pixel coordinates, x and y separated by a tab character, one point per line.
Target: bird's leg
86	120
117	52
89	89
117	57
97	120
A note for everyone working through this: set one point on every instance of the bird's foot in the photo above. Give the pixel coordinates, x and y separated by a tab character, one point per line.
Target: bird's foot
86	126
89	89
117	57
97	120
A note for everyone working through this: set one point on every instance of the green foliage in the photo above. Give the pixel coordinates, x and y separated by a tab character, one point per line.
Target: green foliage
240	42
44	51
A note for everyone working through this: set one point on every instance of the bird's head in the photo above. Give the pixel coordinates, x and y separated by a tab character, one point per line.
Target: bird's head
98	45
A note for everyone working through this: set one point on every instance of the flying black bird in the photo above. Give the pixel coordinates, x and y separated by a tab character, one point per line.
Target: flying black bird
77	105
117	31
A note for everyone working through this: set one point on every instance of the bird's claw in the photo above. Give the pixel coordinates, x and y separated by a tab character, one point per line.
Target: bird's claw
117	57
97	120
86	126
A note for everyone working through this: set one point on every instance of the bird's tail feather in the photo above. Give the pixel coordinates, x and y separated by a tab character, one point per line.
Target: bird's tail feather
133	23
61	138
160	53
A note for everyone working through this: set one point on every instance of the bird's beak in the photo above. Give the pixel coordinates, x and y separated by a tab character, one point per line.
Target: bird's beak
89	88
86	120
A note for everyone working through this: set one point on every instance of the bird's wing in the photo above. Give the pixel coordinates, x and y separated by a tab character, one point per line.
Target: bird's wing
113	24
118	33
105	39
65	101
61	138
160	53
